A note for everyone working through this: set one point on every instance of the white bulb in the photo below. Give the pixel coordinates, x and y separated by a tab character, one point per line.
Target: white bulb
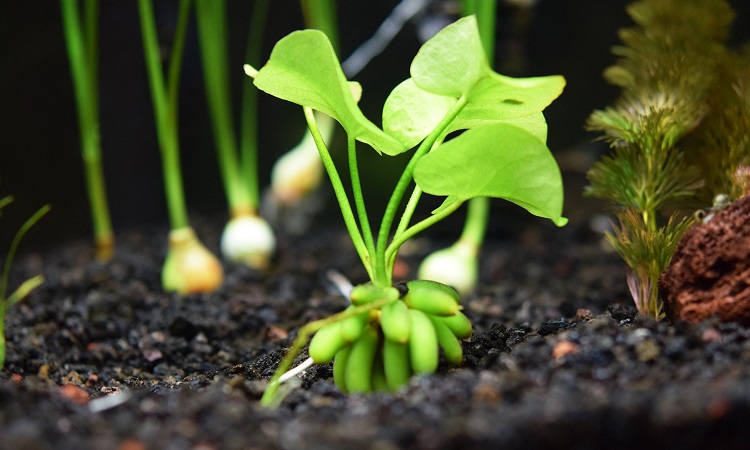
249	240
455	266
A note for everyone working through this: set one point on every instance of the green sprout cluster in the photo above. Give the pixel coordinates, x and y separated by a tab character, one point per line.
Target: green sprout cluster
669	68
7	301
500	152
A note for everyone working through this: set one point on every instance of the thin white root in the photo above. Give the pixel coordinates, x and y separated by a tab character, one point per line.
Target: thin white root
293	372
342	284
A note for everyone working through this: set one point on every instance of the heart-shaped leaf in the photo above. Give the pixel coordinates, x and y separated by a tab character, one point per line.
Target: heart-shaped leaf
411	113
304	69
452	61
498	160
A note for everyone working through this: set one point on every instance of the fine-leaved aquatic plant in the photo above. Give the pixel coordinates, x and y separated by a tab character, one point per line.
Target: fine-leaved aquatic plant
247	237
668	69
189	265
27	286
83	54
390	333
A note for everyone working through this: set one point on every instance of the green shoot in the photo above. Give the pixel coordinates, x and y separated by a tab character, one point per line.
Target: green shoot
298	172
501	154
189	266
247	238
666	69
458	265
82	49
27	286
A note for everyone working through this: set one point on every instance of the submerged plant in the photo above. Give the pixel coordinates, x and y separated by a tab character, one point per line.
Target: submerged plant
458	265
189	265
667	69
247	237
81	40
392	332
27	286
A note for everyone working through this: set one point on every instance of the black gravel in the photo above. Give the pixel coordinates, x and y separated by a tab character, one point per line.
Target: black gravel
100	358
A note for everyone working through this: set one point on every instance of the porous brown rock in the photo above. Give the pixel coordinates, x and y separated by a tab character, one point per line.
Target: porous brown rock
709	274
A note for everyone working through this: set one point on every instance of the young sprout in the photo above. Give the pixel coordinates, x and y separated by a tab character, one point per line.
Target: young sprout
458	265
299	172
390	333
83	55
189	266
27	286
247	238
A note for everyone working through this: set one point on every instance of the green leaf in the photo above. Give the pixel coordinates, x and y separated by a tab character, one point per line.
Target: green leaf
411	113
500	98
498	160
452	61
304	69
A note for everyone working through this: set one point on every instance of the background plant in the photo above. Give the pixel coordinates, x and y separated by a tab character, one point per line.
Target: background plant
501	154
668	68
189	266
6	302
82	45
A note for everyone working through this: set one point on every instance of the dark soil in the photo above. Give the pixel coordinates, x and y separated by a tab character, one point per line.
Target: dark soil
100	358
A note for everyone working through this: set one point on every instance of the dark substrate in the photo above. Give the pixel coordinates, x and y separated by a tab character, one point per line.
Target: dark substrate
100	358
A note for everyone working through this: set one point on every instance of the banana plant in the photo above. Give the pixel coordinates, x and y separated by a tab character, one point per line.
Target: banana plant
394	330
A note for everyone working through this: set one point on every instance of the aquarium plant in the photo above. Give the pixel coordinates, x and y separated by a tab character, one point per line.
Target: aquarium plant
298	172
6	302
189	265
392	331
247	237
668	69
81	38
458	265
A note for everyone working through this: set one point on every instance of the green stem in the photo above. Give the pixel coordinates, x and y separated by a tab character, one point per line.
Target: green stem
212	36
485	11
418	227
411	206
400	189
165	108
476	221
249	112
359	202
82	53
321	15
338	188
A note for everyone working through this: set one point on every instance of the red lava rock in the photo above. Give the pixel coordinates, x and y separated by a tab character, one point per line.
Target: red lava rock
75	394
131	444
710	271
16	378
564	348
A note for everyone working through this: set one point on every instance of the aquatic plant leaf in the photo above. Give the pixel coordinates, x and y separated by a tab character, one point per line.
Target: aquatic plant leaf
498	160
452	61
499	98
304	69
411	113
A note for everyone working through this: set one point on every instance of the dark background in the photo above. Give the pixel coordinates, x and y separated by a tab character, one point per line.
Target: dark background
39	142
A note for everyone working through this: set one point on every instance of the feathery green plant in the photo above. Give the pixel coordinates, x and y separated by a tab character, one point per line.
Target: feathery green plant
667	69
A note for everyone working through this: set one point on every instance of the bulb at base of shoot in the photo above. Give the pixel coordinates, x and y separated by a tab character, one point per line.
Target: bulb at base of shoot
248	239
455	266
300	171
190	267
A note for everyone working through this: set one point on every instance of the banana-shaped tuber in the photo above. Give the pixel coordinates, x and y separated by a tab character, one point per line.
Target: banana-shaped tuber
432	298
458	323
326	342
358	376
396	322
451	346
396	364
423	344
